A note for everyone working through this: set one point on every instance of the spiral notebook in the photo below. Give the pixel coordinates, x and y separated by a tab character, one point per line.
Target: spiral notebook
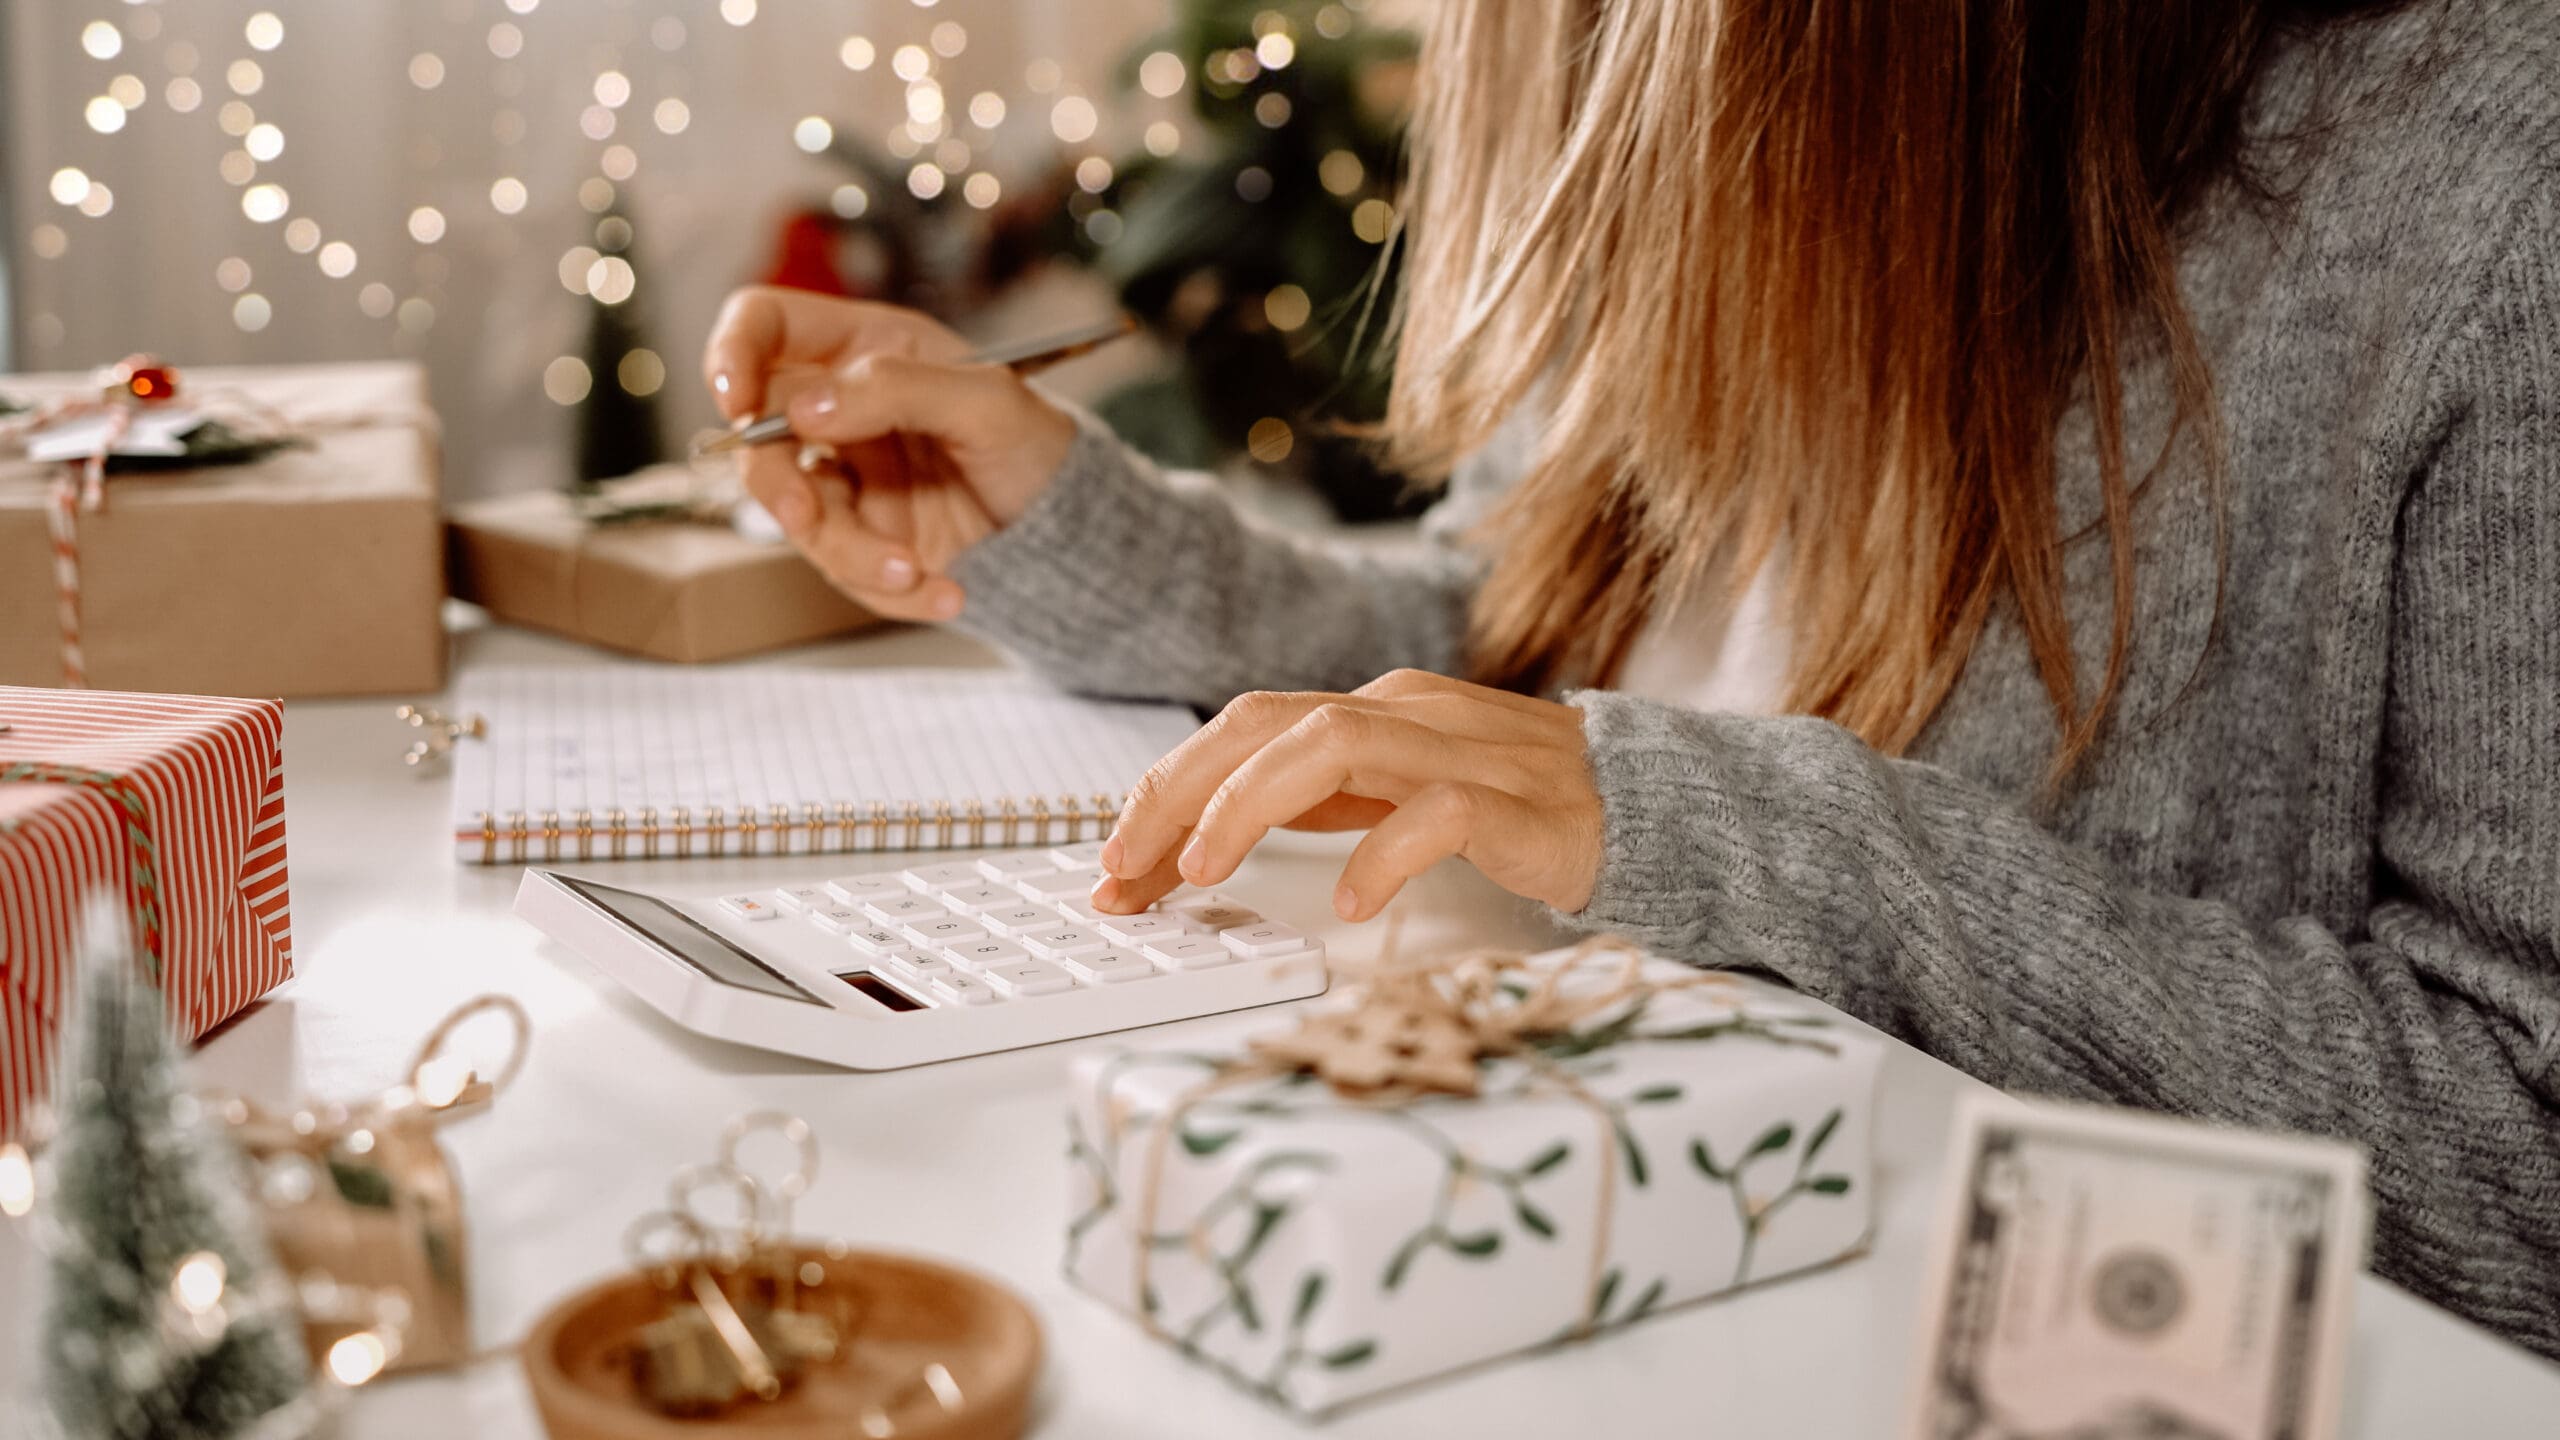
647	762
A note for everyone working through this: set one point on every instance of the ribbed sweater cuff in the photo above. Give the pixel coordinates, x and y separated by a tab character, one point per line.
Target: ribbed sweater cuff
1656	769
1055	567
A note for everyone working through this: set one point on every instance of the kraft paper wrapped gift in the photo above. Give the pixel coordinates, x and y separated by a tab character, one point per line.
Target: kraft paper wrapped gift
676	589
314	571
172	803
1319	1248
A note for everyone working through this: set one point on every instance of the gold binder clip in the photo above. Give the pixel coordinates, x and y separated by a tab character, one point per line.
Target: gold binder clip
441	732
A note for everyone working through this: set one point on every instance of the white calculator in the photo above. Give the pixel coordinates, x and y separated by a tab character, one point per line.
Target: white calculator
889	968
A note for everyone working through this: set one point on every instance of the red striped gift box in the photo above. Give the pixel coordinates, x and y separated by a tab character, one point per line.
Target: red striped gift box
174	803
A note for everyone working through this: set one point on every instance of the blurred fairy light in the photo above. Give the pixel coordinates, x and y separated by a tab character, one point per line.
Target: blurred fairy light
575	262
596	122
264	30
925	181
426	70
1286	307
1272	109
104	115
1253	184
641	373
986	109
68	185
235	117
611	279
738	12
1275	50
198	1281
813	134
302	235
982	190
1042	75
619	162
1163	138
1372	220
232	274
1093	174
237	167
667	33
374	300
925	132
263	142
613	89
924	104
337	259
1161	74
245	77
849	202
1270	440
952	156
902	142
613	234
855	52
265	203
566	380
183	95
672	116
251	312
524	7
1073	119
49	241
1102	226
128	91
416	315
595	194
1333	22
1340	172
505	40
426	225
17	1181
910	63
357	1358
102	40
948	39
507	195
98	201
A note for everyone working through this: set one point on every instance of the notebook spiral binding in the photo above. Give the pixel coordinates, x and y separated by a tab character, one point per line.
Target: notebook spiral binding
518	837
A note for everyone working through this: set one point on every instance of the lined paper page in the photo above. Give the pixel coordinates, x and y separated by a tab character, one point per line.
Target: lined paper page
576	745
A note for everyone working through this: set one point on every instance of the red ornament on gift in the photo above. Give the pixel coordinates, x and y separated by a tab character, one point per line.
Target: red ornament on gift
142	379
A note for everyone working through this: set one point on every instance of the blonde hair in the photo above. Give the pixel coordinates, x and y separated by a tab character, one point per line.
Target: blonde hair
1827	273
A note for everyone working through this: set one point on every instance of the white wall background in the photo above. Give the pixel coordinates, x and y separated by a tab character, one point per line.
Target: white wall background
364	146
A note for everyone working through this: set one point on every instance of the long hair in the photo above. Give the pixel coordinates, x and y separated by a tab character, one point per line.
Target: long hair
1826	271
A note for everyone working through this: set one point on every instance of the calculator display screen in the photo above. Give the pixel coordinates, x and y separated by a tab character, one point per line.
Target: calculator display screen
880	990
685	938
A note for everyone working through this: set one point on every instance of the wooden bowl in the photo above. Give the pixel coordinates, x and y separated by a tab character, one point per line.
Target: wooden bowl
912	1312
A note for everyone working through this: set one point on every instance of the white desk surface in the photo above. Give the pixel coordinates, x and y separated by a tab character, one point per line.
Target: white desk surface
963	1160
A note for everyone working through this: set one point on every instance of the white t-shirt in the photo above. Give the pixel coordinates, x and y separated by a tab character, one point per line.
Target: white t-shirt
1707	655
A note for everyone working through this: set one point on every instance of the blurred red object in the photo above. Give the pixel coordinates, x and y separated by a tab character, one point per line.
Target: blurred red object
805	255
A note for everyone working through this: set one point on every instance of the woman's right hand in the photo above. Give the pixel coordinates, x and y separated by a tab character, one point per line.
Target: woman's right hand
932	455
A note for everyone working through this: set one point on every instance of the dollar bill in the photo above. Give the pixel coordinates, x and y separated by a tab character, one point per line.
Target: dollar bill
2106	1275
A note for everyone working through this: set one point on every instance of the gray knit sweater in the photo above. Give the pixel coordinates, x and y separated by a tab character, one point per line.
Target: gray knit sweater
2319	892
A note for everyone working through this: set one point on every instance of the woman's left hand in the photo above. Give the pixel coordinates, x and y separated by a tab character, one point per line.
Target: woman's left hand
1430	767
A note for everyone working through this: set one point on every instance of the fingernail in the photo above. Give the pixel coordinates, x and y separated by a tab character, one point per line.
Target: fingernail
1106	891
720	383
948	605
1195	861
1346	901
897	572
1111	856
796	510
817	404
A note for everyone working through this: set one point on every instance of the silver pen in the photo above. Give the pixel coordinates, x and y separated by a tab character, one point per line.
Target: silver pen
1024	357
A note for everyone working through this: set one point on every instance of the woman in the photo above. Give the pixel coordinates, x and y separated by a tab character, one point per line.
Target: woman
2038	524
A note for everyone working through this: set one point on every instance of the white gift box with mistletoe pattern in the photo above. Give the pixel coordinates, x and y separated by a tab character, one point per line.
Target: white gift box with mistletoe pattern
1319	1249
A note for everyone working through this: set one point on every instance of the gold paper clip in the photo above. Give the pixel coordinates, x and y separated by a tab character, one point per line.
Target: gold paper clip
442	733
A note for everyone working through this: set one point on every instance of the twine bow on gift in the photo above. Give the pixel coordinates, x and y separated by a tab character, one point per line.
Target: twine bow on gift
1416	1030
362	1205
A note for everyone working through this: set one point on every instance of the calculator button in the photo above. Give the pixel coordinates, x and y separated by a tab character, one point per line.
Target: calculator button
1057	884
1220	917
878	943
970	899
803	897
1269	938
1030	977
1019	918
748	907
1080	910
1110	967
899	909
1063	941
981	955
914	968
941	877
949	930
1134	929
1087	856
839	919
1189	952
854	889
1005	869
962	988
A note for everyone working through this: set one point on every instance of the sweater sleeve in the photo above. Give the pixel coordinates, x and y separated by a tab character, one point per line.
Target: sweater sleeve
2430	1032
1118	581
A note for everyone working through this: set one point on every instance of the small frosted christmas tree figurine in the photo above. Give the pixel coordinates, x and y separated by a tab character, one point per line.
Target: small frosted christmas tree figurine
165	1317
